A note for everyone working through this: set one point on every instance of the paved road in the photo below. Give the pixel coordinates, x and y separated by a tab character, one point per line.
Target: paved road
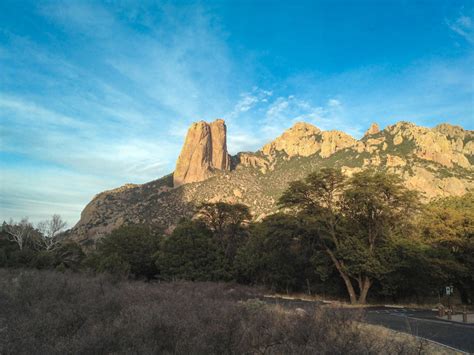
422	323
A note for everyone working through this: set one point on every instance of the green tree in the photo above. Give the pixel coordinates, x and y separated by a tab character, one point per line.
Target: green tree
191	253
226	222
378	210
354	221
272	255
128	248
447	225
420	270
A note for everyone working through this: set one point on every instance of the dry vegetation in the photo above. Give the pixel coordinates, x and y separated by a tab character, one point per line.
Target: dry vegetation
45	312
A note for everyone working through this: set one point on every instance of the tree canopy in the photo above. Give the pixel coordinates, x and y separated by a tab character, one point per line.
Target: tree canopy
354	220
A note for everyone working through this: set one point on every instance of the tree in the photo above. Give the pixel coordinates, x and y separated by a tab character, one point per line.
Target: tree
127	248
191	253
19	232
447	225
378	210
353	221
50	232
69	255
272	255
225	221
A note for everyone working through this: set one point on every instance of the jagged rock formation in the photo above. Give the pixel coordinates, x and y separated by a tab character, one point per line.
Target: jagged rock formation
432	144
437	162
304	139
203	152
373	129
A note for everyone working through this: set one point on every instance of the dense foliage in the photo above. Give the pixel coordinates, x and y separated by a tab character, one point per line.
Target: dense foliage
191	253
128	249
361	237
355	221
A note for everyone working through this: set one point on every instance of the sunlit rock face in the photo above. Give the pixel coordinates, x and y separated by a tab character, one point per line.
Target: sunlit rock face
304	139
435	161
373	129
445	144
203	152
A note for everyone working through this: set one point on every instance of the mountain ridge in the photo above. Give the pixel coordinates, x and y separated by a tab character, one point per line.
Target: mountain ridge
437	161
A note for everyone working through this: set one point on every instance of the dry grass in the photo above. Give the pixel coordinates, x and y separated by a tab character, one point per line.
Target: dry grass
54	313
423	345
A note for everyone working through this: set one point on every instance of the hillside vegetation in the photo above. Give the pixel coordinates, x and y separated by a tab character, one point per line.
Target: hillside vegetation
365	238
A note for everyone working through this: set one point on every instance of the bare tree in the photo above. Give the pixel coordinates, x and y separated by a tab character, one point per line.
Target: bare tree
19	232
50	231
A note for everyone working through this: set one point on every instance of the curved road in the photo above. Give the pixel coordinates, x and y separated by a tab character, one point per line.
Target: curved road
422	323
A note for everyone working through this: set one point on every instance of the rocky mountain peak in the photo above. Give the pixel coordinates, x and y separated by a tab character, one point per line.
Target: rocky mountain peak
204	150
445	144
437	161
303	127
452	131
304	139
299	140
333	141
373	129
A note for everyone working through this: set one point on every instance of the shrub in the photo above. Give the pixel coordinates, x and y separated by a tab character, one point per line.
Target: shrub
127	249
46	312
191	253
43	259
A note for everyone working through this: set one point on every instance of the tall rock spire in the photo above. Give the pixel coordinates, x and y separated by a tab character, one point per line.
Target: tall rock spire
204	150
220	157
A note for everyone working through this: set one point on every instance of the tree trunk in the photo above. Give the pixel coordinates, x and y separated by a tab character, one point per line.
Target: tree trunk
350	288
345	277
365	289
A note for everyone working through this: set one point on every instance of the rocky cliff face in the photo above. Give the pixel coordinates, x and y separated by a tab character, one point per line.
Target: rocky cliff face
437	162
203	152
304	139
434	144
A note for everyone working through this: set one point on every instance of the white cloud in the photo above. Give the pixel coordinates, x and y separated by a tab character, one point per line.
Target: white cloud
463	26
46	135
39	193
246	103
285	111
249	100
119	110
35	114
89	18
116	111
276	109
270	118
242	141
334	103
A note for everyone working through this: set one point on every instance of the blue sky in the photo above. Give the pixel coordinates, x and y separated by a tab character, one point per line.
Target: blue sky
97	94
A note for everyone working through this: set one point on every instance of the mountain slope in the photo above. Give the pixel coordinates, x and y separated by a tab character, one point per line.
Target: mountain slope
436	161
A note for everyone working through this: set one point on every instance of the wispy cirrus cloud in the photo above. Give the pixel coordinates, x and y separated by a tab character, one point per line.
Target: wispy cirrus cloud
463	25
105	111
96	94
41	191
286	111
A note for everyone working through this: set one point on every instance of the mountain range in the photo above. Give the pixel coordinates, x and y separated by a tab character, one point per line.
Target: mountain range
436	161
